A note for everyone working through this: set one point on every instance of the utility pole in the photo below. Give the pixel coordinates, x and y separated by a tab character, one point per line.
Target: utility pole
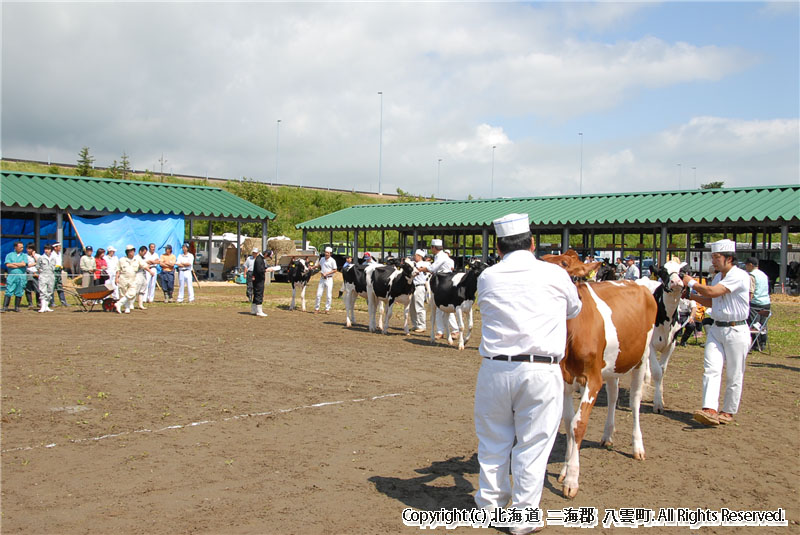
162	161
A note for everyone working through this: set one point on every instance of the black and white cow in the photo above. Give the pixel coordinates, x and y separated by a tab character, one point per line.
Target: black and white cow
667	294
355	284
299	275
454	293
389	284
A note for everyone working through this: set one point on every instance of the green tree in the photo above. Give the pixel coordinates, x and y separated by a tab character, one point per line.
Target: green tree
85	162
113	171
124	165
54	170
713	185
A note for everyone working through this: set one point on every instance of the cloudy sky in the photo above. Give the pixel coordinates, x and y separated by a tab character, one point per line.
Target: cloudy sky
666	95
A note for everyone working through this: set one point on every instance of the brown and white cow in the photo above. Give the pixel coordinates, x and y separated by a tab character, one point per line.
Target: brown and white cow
607	339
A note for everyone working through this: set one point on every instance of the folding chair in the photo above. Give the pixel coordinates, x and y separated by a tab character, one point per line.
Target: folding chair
759	328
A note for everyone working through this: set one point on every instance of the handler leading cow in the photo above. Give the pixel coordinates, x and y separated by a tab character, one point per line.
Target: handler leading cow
519	393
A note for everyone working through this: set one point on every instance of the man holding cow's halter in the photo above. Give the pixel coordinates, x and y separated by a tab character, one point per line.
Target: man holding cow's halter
728	340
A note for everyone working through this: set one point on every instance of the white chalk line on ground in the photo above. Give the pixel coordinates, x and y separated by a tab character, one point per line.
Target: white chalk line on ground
206	422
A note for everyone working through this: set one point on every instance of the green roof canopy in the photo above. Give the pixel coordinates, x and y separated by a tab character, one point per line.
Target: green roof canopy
45	192
754	205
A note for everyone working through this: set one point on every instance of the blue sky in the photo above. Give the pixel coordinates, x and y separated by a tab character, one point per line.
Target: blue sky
651	85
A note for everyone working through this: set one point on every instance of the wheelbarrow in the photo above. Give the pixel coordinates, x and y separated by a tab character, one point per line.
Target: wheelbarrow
92	296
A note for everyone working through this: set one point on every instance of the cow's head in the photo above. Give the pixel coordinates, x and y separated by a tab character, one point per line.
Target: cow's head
296	267
409	268
572	264
671	275
606	272
477	266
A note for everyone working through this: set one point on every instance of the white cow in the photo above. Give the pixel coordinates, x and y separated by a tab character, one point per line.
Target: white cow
389	284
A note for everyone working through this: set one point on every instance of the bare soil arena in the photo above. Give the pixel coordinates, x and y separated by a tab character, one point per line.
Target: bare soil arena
203	419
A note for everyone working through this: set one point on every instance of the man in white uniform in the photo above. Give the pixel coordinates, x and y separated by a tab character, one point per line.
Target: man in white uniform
153	260
519	394
184	265
442	263
728	338
59	273
126	280
327	270
418	299
112	266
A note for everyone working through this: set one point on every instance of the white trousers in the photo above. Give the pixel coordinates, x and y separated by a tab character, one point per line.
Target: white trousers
725	346
440	322
418	316
111	283
325	283
185	281
521	400
150	289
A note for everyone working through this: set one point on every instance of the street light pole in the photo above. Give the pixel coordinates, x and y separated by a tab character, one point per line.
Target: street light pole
438	174
277	147
680	175
492	190
380	146
580	186
695	177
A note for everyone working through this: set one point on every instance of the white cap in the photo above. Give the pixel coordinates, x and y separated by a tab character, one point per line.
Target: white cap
420	252
436	243
111	248
723	246
129	247
57	244
328	250
255	250
511	225
448	252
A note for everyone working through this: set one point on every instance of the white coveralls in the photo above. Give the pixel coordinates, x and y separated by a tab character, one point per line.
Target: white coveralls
151	276
327	266
418	316
112	266
47	281
128	268
727	346
185	276
524	306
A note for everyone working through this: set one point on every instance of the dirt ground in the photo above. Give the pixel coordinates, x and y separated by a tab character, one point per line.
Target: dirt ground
203	419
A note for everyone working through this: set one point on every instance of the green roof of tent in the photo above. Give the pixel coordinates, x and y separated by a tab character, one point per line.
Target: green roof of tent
777	204
85	194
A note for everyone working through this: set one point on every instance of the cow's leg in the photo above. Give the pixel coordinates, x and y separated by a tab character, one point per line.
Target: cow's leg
469	325
659	369
406	310
303	287
349	312
612	392
380	315
460	322
432	318
386	318
371	310
294	291
578	428
637	385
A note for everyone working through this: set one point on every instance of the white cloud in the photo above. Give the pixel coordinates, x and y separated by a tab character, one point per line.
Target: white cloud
205	84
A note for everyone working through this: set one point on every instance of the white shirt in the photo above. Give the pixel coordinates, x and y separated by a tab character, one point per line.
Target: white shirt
733	306
326	265
150	257
187	258
32	259
632	273
248	264
421	277
442	263
524	305
112	264
56	259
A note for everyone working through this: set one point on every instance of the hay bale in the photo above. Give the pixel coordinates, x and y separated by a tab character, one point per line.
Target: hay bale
280	246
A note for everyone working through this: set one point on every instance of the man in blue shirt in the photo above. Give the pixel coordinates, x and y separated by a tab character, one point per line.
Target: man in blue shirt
17	264
760	299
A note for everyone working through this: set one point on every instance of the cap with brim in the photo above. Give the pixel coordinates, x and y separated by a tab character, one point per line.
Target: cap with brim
420	252
511	225
255	250
723	246
130	247
89	248
328	250
630	257
436	243
448	251
367	255
111	248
